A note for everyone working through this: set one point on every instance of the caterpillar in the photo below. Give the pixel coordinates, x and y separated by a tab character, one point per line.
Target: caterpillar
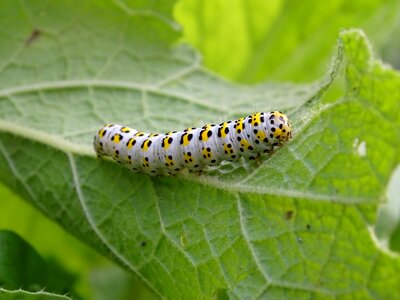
193	148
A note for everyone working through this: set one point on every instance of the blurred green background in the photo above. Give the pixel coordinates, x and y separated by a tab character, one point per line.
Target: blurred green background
247	41
251	41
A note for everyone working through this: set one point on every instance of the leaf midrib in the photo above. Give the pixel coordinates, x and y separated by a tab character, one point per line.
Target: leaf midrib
240	186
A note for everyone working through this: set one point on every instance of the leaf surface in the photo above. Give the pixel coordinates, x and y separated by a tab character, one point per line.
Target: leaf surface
297	226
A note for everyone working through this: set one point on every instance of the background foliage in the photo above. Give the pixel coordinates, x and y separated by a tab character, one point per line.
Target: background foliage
283	40
67	68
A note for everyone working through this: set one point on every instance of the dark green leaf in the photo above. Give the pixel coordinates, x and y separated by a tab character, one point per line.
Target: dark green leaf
20	265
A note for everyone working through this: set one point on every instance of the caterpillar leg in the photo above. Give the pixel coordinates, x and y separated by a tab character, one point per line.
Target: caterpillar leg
196	172
270	152
257	159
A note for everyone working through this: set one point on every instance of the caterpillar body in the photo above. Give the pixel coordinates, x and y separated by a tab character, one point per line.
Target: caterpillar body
193	148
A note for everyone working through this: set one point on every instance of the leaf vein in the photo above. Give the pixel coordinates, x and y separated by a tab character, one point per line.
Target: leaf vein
94	227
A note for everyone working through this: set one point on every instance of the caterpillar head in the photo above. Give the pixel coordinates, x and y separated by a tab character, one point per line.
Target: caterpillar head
279	127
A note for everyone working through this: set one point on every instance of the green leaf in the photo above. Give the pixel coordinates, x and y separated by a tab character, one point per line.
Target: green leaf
280	39
21	295
395	239
65	256
20	265
297	226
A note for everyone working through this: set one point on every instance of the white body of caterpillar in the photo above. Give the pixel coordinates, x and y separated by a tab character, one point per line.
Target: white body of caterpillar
193	148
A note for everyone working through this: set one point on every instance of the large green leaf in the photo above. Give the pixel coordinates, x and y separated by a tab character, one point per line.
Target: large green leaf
297	226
